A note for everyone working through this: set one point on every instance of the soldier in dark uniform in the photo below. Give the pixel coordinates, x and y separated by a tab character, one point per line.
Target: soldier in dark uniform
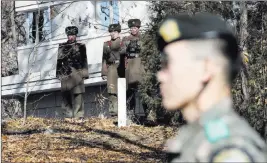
111	66
134	67
72	69
200	60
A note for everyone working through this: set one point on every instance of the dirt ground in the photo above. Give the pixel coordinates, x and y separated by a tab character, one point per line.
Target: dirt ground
94	140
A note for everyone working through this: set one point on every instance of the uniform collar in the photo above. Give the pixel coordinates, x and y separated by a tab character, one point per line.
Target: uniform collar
71	42
138	35
221	108
115	39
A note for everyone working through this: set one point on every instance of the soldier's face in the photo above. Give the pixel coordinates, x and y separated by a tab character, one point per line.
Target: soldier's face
181	78
134	30
72	37
114	35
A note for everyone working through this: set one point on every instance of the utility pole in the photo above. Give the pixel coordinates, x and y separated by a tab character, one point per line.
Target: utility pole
111	12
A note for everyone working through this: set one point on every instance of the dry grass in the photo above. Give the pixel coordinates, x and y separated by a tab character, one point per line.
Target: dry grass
94	140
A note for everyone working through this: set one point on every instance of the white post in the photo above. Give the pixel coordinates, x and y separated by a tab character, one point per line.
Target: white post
122	115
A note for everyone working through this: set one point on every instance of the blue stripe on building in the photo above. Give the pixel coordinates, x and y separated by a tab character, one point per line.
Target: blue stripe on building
115	11
105	16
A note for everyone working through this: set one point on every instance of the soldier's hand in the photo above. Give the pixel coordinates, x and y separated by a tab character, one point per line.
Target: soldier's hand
104	77
108	49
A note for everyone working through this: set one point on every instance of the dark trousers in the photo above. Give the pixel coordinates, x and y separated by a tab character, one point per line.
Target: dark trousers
72	105
134	103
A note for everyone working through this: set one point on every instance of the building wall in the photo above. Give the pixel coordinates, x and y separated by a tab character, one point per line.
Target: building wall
47	104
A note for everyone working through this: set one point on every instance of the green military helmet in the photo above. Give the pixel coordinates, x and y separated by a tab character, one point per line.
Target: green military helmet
199	26
71	30
114	27
134	23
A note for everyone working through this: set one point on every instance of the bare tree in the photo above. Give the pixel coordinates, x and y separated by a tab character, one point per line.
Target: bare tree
12	33
13	23
243	44
34	59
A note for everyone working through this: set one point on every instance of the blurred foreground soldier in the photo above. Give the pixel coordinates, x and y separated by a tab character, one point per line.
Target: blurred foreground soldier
134	67
111	66
72	69
200	60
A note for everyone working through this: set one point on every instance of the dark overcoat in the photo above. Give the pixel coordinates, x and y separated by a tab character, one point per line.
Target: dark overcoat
72	67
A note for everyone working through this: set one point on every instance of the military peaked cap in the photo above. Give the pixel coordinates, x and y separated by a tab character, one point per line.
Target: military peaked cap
199	26
134	23
71	30
114	27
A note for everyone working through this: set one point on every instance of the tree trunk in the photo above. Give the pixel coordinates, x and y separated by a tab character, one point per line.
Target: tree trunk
30	64
243	44
12	16
25	101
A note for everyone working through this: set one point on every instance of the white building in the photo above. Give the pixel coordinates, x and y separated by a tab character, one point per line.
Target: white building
92	19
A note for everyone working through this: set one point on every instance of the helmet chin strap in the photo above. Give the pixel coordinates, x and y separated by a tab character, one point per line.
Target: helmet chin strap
204	85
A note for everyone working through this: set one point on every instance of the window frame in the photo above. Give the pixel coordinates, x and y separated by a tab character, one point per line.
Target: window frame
45	28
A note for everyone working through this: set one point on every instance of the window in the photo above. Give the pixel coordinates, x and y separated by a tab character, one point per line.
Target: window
42	22
52	21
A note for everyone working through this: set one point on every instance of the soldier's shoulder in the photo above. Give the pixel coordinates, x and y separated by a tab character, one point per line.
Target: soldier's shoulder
80	44
226	127
62	44
238	149
107	43
117	41
233	139
239	126
126	38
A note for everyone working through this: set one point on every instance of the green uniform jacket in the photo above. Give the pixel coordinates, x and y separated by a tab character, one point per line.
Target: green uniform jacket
72	67
220	135
134	66
111	63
